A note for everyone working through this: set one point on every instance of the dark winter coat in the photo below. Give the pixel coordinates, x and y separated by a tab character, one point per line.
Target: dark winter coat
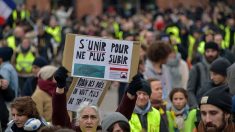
29	86
6	95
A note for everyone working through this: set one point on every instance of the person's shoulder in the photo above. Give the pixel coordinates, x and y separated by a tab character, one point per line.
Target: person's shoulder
40	94
154	110
198	66
193	111
7	66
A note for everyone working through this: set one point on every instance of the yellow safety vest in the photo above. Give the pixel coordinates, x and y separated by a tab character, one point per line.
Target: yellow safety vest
117	32
189	122
11	42
153	120
55	32
227	37
24	62
175	32
23	14
224	44
192	41
201	47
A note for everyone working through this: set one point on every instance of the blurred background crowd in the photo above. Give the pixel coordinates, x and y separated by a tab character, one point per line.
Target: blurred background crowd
195	32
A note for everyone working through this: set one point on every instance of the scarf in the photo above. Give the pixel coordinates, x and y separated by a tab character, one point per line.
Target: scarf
179	116
142	111
160	105
173	65
47	86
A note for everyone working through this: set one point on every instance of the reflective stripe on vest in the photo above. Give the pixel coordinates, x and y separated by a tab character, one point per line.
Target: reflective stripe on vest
55	32
24	62
153	120
189	123
11	42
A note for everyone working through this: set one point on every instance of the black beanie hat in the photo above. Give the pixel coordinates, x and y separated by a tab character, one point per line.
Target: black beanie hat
40	62
145	87
219	97
211	45
220	66
6	53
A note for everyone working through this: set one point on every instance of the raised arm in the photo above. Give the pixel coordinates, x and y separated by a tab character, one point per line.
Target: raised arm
127	104
59	110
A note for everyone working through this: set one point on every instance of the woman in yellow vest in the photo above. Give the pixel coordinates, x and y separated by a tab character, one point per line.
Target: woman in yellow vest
180	118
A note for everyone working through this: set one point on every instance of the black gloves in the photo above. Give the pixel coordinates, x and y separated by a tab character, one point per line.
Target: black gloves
135	84
60	76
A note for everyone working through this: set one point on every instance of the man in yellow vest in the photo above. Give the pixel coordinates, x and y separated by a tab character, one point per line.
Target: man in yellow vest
229	30
158	102
55	30
145	117
20	15
14	40
23	59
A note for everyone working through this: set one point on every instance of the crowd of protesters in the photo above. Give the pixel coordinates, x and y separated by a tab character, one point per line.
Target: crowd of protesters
185	80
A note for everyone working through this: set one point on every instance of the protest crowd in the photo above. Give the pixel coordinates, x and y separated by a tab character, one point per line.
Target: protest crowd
185	80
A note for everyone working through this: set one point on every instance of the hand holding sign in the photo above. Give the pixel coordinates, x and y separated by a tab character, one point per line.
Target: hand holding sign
135	84
60	76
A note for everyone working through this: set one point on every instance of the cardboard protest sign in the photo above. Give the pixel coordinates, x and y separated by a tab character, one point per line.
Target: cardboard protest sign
86	89
107	59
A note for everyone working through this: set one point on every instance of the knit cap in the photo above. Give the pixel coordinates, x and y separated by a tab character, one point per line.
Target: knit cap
112	118
220	66
145	87
40	62
211	45
6	53
218	97
47	72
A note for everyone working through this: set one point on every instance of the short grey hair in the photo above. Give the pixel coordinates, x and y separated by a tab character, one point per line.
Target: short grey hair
84	105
